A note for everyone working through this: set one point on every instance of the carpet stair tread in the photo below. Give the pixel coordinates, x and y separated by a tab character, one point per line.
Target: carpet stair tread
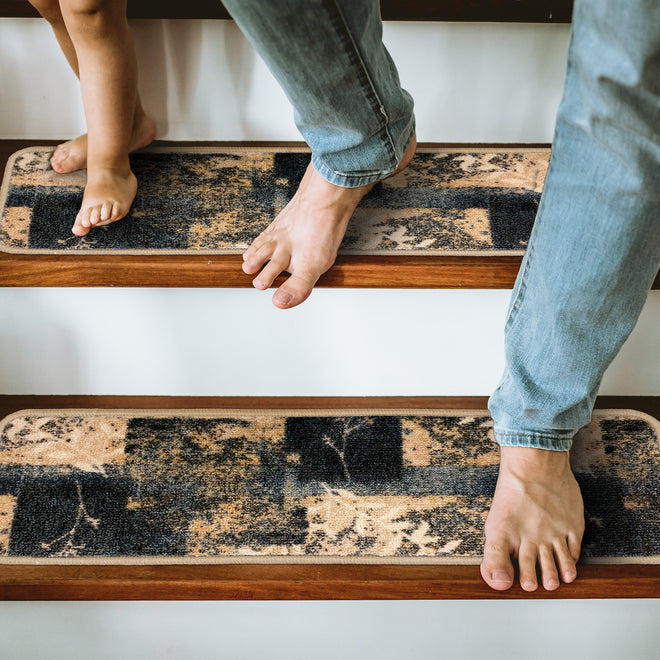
458	217
237	486
452	253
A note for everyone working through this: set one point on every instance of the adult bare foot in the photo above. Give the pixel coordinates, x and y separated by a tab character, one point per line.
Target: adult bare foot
108	197
537	517
71	156
304	238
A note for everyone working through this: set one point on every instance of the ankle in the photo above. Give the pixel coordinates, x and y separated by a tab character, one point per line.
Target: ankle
114	169
529	463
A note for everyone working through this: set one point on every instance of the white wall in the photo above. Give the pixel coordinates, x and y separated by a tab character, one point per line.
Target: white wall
472	83
202	81
234	342
463	630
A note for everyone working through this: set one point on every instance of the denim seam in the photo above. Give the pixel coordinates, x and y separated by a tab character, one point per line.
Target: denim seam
355	55
530	246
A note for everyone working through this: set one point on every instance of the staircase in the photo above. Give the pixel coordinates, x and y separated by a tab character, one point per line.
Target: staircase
164	582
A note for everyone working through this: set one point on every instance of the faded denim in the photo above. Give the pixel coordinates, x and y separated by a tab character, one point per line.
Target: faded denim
329	57
595	247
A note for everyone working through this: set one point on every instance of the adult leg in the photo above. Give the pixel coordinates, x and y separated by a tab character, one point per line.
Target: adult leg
591	260
329	57
72	155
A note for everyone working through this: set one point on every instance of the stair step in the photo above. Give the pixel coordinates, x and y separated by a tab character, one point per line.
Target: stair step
394	269
155	579
450	254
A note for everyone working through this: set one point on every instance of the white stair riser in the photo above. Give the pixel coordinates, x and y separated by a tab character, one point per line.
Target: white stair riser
229	342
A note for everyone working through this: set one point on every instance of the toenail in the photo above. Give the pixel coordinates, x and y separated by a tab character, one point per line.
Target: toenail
553	584
283	297
529	585
500	576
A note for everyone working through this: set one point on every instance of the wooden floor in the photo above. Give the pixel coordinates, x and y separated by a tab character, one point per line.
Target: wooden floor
306	582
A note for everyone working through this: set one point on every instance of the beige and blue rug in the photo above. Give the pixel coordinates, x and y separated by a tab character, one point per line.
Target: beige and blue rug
201	201
334	486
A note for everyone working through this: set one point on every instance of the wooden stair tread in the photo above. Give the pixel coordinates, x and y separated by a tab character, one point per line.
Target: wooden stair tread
331	582
306	582
219	271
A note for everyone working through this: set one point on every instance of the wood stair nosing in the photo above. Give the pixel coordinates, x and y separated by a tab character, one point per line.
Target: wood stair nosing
289	581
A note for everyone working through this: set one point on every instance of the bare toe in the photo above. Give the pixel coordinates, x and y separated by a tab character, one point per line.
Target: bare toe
566	563
107	212
82	223
527	566
496	567
270	271
549	575
575	543
498	576
95	215
257	256
294	291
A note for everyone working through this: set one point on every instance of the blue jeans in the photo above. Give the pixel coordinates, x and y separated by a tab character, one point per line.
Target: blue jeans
595	247
329	57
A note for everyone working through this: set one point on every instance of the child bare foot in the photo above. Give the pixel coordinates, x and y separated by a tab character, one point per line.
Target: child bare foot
71	156
304	238
537	517
108	197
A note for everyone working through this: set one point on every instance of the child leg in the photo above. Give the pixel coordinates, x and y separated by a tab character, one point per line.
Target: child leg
108	78
72	155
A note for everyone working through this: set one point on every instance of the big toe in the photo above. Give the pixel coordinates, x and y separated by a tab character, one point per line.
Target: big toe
63	161
79	229
294	291
496	567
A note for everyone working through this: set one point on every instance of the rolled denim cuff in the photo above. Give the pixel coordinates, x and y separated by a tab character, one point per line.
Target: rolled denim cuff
347	180
399	143
533	440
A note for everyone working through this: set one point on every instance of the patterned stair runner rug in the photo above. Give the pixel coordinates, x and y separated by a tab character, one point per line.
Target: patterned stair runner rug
202	201
334	486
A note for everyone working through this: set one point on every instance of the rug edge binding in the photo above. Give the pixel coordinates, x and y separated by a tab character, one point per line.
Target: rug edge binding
297	412
281	560
238	251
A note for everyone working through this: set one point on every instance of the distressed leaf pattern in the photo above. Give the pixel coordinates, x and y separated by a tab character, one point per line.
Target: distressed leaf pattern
199	200
373	486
